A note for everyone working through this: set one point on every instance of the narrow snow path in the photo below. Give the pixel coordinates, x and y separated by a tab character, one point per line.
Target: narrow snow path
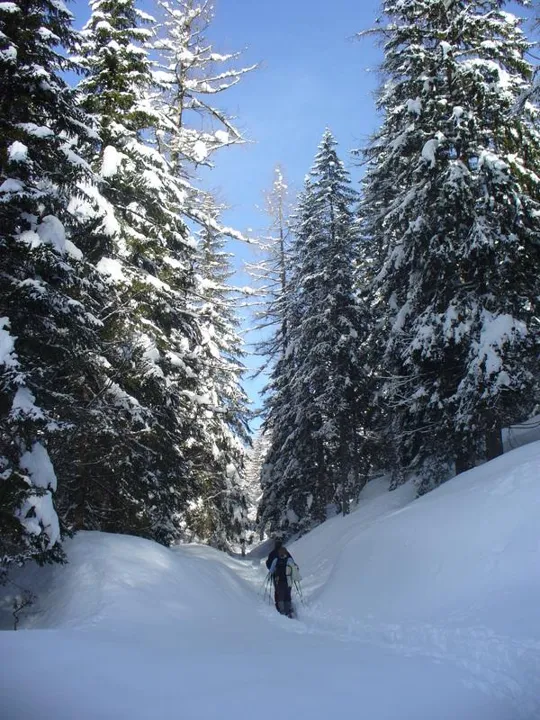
145	633
475	658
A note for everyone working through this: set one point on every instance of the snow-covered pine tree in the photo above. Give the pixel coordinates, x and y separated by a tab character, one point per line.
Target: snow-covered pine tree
49	295
145	160
149	479
269	274
189	73
219	512
451	203
317	399
280	462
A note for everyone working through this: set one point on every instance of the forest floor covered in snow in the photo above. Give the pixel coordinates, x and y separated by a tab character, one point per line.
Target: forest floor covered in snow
415	609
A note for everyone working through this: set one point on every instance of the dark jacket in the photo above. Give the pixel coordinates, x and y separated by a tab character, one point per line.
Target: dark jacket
273	555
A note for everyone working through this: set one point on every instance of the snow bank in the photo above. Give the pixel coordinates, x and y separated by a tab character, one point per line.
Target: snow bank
453	574
468	551
7	344
522	434
424	609
118	582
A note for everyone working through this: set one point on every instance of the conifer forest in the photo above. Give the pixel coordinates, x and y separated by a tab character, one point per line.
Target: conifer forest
394	318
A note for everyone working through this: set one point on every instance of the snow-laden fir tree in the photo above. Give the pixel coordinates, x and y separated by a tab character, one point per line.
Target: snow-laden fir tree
149	259
269	274
49	295
451	205
145	163
317	398
189	72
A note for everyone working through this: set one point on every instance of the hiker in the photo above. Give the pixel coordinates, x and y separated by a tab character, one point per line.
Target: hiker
274	553
284	572
278	543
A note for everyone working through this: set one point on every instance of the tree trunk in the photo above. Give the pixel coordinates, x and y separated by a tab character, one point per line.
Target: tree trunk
464	461
494	443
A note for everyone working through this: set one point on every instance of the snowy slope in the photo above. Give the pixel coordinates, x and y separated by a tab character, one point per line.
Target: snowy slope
454	574
424	609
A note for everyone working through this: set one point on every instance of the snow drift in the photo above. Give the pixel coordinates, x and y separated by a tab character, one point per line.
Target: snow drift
424	609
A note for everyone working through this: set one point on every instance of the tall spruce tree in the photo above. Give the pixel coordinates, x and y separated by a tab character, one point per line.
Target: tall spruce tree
172	402
315	409
189	74
451	205
270	274
49	294
149	258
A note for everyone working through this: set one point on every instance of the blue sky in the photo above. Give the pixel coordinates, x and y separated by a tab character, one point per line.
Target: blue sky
313	74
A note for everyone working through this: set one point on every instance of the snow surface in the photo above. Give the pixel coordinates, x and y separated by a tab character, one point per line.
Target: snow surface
9	7
10	185
37	512
38	463
39	131
429	151
200	151
416	609
518	435
111	160
222	136
24	405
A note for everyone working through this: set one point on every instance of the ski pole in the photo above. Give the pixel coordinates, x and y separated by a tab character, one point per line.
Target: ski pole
267	586
299	591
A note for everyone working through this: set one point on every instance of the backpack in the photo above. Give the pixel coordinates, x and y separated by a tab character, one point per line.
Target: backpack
294	572
286	570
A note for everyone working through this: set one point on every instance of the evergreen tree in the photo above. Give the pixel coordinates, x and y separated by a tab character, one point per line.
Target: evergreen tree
451	207
173	456
149	258
270	275
189	73
49	294
319	386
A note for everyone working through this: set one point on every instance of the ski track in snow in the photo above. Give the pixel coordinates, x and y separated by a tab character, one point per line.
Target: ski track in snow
495	657
490	659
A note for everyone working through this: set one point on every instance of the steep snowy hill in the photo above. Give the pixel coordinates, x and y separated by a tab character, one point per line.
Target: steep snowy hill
416	609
